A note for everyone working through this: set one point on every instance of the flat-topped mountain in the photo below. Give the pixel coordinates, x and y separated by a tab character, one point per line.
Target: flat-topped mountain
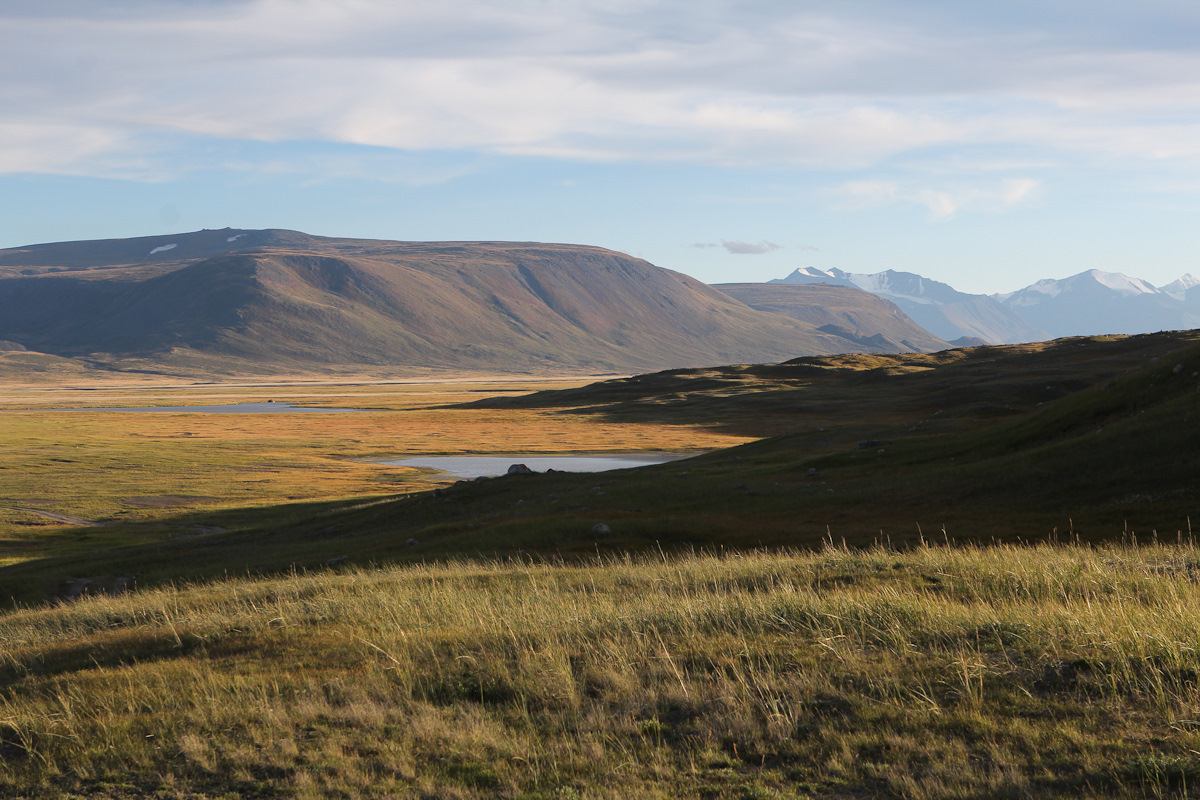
276	300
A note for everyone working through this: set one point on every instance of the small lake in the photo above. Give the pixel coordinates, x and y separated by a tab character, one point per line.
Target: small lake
490	466
236	408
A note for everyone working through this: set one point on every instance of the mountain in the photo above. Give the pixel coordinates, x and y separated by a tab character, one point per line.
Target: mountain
1179	287
274	300
847	311
935	306
1095	302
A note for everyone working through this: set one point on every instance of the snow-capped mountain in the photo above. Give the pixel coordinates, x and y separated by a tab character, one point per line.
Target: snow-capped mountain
1090	303
935	306
1095	302
1178	288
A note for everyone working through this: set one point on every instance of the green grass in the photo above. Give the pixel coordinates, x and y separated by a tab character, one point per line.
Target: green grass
1040	671
1119	457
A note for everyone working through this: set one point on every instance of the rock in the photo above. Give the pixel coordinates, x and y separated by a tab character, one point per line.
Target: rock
438	492
333	562
1178	369
413	542
520	469
600	529
867	444
813	472
75	588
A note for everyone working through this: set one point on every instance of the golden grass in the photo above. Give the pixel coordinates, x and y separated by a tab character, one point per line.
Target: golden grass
1046	671
95	465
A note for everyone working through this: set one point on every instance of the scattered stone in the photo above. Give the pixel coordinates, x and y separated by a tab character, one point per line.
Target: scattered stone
333	562
600	529
413	542
75	588
813	472
519	469
1178	369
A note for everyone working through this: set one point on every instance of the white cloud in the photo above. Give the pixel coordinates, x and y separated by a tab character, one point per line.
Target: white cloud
820	85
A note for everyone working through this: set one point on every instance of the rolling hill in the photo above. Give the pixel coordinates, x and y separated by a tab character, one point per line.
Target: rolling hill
1090	437
234	301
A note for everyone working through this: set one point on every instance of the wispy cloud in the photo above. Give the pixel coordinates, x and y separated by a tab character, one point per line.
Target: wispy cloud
744	248
942	203
824	86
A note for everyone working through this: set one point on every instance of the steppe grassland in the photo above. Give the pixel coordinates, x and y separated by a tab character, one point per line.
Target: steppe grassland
120	467
1046	671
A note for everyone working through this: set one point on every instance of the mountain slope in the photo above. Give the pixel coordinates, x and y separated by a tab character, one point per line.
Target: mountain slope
1103	302
935	306
282	300
878	324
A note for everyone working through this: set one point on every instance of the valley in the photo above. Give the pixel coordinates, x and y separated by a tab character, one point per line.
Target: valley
914	571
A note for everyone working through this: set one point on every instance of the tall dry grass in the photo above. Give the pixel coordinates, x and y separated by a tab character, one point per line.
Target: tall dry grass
934	673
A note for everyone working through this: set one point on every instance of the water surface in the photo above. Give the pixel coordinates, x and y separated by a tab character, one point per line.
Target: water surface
489	466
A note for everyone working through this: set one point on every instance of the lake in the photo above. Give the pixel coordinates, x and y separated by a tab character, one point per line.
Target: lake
490	466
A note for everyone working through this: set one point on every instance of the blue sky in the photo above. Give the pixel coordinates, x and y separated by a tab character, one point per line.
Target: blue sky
985	144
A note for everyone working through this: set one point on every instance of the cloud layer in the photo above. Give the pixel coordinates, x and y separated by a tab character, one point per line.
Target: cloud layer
115	87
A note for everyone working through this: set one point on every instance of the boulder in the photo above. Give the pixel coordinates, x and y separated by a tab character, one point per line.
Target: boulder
520	469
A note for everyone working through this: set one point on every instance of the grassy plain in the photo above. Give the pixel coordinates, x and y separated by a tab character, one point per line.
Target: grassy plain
519	651
133	474
1004	672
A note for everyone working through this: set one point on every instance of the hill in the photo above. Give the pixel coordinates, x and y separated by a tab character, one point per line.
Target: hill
1093	437
877	324
283	301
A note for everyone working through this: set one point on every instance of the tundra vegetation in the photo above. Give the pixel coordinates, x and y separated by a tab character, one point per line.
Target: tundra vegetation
964	574
938	672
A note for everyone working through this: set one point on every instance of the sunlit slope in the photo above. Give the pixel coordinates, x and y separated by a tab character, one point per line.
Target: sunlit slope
1114	451
283	300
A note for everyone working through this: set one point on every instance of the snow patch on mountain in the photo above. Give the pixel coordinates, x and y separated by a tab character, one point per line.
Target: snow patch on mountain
164	248
1121	283
1178	287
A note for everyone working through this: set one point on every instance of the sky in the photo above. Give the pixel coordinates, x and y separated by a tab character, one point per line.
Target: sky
985	144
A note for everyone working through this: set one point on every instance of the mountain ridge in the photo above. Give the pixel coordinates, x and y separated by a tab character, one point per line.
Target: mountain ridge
1092	302
285	300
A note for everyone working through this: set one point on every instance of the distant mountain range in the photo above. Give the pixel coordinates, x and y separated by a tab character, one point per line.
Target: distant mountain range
273	301
1087	304
877	327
